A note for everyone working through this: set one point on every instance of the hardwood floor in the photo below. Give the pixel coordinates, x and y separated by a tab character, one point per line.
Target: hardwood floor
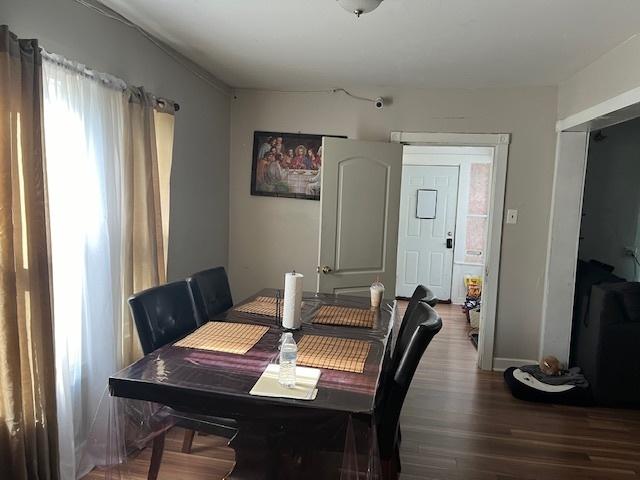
460	423
210	459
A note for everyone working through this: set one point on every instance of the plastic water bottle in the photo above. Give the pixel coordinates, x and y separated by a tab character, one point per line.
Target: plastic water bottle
288	358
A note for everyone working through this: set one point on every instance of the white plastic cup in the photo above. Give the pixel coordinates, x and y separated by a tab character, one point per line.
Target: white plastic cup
377	291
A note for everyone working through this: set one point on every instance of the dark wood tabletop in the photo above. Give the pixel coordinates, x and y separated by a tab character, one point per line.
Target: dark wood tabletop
216	383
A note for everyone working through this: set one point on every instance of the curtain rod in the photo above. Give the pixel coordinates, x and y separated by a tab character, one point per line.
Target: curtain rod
110	81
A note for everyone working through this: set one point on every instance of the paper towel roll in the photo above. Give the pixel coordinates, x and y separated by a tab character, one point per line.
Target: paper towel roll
292	310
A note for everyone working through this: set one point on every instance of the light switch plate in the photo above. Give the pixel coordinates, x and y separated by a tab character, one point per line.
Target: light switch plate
512	216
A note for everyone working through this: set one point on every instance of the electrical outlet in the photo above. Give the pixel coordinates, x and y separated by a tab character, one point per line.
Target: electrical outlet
512	216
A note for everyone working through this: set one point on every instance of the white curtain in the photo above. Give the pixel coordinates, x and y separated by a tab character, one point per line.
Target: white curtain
84	143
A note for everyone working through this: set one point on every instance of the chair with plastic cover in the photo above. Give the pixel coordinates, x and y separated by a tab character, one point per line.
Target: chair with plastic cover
163	315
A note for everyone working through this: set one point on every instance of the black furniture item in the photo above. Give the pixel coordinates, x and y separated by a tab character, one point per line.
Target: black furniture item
425	323
607	340
409	324
406	328
430	299
211	293
163	315
588	274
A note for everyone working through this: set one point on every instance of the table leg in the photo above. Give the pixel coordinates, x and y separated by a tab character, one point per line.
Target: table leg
322	447
259	452
281	452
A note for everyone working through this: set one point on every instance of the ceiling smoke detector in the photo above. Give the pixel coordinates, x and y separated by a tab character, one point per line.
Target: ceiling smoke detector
358	7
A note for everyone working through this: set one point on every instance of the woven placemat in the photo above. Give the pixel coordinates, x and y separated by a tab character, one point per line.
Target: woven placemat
344	316
265	306
225	337
334	353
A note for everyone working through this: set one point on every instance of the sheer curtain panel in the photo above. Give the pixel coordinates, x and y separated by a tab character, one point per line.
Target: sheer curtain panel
84	139
28	437
107	185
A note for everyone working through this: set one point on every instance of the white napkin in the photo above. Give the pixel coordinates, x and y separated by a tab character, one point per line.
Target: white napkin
305	389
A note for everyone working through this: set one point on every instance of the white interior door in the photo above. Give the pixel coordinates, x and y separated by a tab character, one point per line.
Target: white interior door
359	204
427	229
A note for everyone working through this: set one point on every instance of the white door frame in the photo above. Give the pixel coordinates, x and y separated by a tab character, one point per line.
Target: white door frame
563	242
500	143
566	215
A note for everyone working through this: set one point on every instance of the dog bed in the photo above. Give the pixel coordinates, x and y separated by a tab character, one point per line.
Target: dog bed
524	386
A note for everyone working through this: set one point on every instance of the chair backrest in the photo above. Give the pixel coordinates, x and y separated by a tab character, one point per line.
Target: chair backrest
405	330
211	293
428	323
430	299
163	314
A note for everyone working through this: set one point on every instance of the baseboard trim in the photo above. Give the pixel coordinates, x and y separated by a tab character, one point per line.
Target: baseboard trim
501	364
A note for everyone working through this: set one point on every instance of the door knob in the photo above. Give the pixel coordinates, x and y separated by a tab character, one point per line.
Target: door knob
326	269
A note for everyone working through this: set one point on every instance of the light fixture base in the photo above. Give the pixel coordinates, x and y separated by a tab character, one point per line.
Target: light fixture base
359	7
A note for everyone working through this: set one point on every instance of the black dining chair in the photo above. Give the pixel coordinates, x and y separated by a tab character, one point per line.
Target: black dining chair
421	294
418	295
211	293
424	323
430	299
163	315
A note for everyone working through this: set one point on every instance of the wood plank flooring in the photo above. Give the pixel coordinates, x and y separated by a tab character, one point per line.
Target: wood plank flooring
462	424
210	459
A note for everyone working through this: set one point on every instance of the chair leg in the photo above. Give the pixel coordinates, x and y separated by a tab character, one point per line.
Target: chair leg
188	440
156	457
389	469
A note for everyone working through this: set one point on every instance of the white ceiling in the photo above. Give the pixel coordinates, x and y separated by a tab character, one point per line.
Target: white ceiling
315	44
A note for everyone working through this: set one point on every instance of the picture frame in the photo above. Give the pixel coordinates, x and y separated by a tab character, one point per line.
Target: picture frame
287	165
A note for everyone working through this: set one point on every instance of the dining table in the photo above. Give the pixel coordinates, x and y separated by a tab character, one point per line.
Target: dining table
277	437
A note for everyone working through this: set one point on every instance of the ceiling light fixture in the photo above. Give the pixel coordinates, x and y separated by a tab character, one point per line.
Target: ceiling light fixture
358	7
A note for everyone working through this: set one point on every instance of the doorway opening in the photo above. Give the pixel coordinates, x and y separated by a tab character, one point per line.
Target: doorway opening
567	206
450	224
442	237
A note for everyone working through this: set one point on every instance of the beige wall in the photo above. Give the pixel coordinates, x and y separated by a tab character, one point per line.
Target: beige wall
615	72
268	236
